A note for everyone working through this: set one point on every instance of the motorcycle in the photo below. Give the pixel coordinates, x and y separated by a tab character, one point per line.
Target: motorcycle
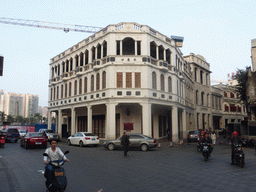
206	151
59	179
239	155
199	147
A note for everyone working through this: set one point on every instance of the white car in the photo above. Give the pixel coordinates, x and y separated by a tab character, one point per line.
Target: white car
22	133
83	138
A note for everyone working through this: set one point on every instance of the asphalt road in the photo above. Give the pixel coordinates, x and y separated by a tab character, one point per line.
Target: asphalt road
178	168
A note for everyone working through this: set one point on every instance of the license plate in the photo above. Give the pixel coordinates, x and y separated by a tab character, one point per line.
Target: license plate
38	143
93	139
58	174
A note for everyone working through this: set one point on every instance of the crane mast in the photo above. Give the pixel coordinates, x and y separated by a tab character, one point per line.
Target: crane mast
50	25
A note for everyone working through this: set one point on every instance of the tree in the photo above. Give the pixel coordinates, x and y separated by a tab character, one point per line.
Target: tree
19	119
10	118
242	78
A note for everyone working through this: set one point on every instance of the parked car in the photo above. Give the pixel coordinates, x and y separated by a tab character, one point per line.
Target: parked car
34	139
12	135
2	138
83	138
22	133
137	140
193	136
50	134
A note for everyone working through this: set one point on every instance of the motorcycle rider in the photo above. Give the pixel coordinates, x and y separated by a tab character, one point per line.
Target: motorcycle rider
54	153
200	141
234	140
208	140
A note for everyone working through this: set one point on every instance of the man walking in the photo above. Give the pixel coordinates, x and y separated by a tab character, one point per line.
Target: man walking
125	142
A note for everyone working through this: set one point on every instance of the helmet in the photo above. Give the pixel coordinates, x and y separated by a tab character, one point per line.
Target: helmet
235	133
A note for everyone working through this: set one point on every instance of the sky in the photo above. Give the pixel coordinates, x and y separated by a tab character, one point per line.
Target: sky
220	31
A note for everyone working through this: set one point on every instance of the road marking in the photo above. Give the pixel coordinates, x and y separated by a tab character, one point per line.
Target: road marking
40	171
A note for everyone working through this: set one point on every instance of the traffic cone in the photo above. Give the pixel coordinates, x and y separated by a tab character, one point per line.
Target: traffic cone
159	145
170	144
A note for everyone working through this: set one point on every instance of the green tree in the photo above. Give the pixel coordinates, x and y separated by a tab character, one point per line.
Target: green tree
10	118
19	119
242	78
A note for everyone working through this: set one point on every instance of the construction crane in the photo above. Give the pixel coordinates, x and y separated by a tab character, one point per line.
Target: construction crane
50	25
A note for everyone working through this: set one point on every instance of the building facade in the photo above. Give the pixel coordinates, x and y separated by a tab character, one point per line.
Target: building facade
125	77
25	105
130	77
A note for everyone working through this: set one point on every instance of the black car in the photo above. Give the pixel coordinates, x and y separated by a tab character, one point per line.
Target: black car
12	134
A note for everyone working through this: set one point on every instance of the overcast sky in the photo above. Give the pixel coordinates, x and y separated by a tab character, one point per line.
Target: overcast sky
220	31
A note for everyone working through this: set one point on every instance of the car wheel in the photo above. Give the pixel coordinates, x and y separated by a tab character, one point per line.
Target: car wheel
144	147
25	145
81	144
111	146
69	143
95	145
20	144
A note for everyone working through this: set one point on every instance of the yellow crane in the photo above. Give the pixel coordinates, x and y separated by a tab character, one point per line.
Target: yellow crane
50	25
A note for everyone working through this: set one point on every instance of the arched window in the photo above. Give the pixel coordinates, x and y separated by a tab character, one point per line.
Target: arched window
169	84
80	86
75	88
86	57
98	81
162	82
85	85
93	53
168	56
104	80
161	52
57	92
76	60
154	80
61	91
98	51
92	83
51	94
201	77
54	92
70	88
153	49
105	49
67	65
128	46
202	98
195	74
71	64
81	59
66	90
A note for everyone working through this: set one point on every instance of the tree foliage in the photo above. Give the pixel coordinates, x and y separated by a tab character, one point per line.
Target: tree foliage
242	78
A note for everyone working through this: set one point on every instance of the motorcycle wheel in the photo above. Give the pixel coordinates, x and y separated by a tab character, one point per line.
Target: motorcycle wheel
241	163
205	157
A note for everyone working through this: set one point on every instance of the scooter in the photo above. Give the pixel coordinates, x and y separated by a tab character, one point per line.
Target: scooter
206	151
59	179
239	155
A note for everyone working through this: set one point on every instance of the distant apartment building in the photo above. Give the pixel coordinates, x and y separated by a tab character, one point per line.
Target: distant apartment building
43	111
25	105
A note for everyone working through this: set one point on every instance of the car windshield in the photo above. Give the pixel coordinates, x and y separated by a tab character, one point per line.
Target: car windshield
35	134
22	131
147	137
192	132
12	130
89	134
49	131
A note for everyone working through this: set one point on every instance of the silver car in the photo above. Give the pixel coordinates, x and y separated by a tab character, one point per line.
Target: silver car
50	134
137	141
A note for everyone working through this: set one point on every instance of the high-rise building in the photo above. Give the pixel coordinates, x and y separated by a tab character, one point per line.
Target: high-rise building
25	105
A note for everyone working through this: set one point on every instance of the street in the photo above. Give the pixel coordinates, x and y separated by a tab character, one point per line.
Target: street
178	168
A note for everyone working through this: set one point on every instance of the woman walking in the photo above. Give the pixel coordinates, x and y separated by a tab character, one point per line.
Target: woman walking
213	137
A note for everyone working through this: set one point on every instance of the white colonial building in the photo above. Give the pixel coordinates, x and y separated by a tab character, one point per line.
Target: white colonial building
124	77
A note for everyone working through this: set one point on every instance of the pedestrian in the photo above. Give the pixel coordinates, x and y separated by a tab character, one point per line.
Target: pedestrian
169	135
213	137
125	142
